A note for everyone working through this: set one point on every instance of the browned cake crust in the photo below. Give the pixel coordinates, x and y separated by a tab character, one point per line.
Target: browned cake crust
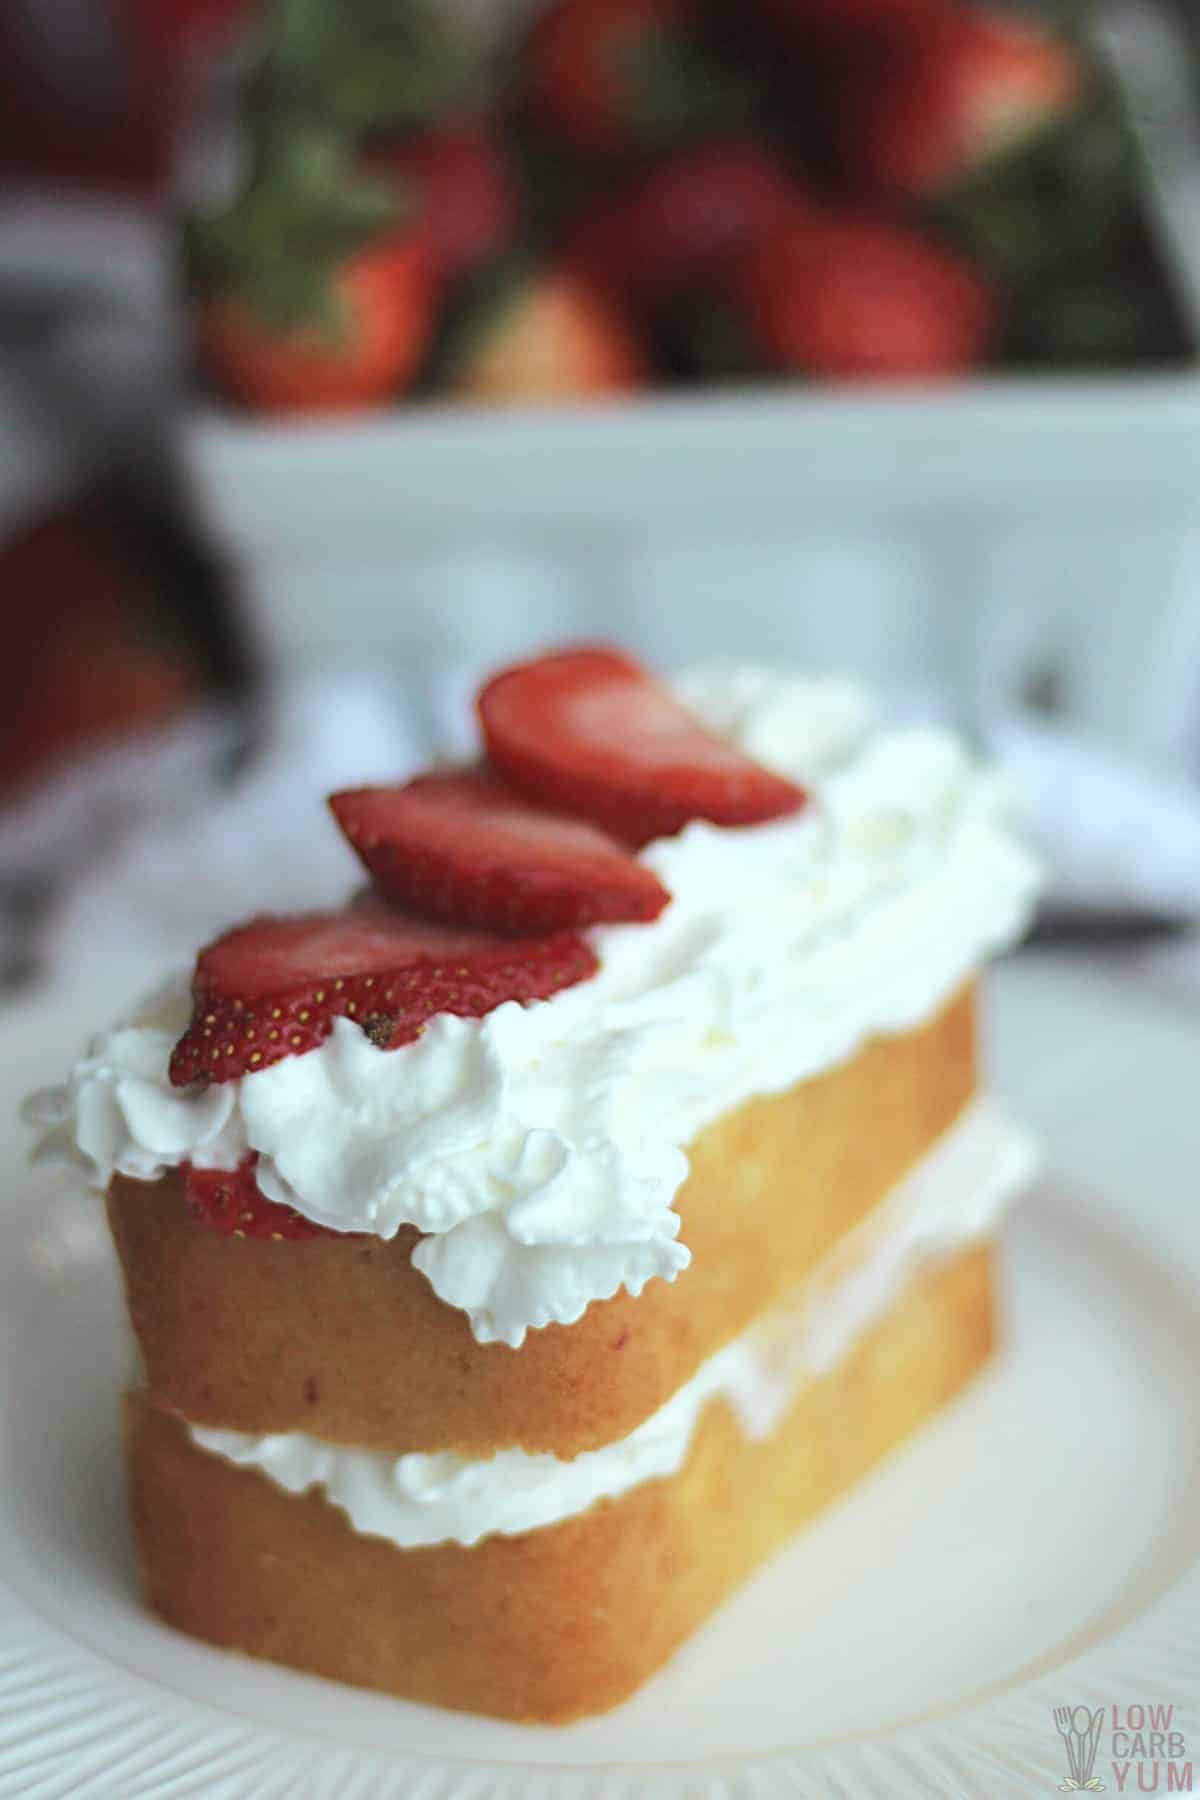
342	1338
558	1622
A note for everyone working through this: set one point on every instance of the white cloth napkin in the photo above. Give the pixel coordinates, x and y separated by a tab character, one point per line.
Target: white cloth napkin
184	854
1117	837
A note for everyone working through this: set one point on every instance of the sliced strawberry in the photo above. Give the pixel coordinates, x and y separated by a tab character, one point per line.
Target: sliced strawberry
272	988
381	317
230	1202
462	846
591	731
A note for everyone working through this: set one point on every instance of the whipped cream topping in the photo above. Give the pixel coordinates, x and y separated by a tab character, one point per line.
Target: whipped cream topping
953	1197
539	1149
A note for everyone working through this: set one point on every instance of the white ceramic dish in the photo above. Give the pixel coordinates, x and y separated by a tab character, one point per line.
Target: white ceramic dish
1037	1546
877	530
773	454
990	540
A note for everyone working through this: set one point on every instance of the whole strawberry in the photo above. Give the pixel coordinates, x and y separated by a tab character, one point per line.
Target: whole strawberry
681	223
315	291
365	344
172	28
545	335
854	29
463	189
614	77
846	297
973	85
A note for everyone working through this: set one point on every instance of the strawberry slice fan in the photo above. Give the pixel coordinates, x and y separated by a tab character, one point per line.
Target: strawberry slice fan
483	879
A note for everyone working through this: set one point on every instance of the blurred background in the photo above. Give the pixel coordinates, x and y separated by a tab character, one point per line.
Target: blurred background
350	346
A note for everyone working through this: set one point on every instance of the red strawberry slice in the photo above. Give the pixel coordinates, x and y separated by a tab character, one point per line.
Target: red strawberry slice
230	1202
590	731
272	988
462	846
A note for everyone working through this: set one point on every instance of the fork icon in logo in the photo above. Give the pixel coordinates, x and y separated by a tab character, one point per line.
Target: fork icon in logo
1079	1730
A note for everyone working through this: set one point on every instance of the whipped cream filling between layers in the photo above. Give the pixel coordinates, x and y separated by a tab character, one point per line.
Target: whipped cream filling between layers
539	1149
952	1198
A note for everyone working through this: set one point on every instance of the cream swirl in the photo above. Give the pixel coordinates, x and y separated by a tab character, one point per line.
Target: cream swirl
539	1150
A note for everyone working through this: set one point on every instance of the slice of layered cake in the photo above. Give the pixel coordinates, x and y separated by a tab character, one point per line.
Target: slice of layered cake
520	1254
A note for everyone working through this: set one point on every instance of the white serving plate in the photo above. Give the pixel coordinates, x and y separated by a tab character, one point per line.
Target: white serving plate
1036	1546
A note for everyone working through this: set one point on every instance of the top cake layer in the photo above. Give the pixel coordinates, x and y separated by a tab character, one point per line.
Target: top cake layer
538	1150
341	1337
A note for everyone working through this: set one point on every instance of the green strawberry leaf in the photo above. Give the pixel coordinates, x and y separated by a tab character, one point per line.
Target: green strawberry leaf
1065	195
1096	321
304	208
363	64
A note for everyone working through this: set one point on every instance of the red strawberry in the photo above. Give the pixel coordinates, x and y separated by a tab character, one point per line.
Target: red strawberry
862	27
548	337
230	1202
614	76
682	222
853	298
80	663
589	730
272	988
975	84
467	197
383	301
170	30
462	846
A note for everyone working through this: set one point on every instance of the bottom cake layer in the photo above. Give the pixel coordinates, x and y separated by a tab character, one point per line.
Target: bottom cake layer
561	1621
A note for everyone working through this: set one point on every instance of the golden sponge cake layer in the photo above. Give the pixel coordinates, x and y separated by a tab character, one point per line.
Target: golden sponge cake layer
561	1621
341	1338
